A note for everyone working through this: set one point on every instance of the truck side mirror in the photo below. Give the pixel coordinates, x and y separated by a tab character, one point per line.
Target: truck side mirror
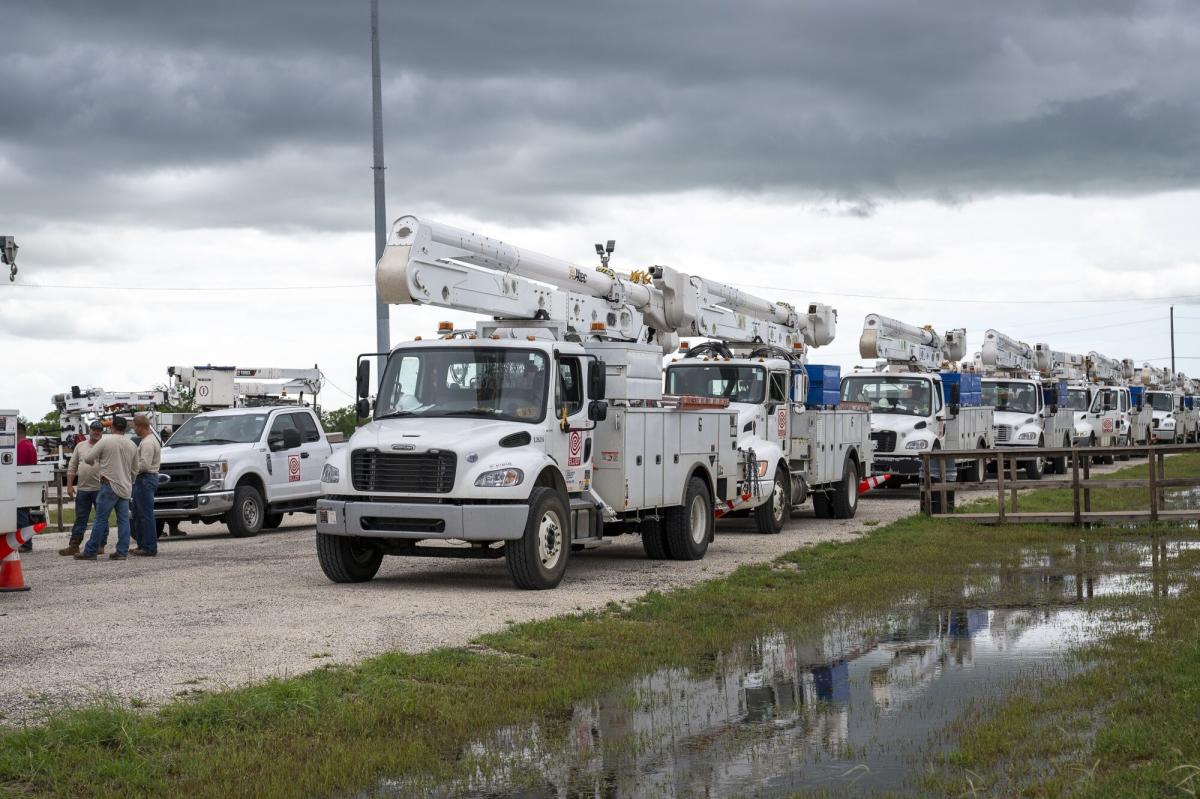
597	410
362	408
363	380
954	407
596	379
1054	409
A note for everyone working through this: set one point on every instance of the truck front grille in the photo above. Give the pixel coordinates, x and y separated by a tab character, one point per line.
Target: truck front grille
885	440
186	478
1003	433
409	473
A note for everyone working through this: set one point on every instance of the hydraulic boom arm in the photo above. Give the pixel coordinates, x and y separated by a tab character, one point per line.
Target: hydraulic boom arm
902	344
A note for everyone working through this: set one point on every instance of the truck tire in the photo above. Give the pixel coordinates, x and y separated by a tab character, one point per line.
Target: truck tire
248	513
538	559
346	559
1035	467
844	499
771	515
688	528
654	543
272	521
822	507
1059	465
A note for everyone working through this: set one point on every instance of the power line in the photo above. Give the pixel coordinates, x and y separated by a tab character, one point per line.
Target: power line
964	299
64	286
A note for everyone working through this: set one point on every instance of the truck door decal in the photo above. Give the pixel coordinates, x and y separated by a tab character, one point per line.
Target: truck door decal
293	468
1107	427
781	421
575	453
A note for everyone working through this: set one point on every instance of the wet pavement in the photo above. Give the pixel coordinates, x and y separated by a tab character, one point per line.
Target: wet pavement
855	706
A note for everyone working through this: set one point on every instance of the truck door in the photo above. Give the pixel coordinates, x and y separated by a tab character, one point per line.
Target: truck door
286	475
572	449
779	419
313	453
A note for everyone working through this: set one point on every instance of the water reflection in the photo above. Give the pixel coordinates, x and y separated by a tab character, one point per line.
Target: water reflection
854	706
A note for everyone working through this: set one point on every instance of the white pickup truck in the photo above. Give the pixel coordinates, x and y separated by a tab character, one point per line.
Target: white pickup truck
246	467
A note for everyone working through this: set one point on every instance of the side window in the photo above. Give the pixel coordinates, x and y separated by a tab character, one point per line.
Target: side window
570	386
778	389
282	422
308	427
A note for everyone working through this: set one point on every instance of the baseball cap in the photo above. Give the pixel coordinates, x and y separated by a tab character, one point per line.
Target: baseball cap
96	425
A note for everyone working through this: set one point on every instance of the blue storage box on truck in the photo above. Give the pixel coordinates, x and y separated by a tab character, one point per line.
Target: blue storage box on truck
970	388
1137	395
1056	393
824	385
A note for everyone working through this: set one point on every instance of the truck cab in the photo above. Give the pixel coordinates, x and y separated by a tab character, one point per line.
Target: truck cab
1169	415
1107	420
908	416
246	467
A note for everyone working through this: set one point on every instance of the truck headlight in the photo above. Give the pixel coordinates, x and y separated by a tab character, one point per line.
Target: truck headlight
500	478
216	475
331	474
762	468
1027	436
917	443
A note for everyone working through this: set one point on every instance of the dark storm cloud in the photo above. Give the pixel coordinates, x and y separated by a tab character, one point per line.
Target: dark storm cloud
257	114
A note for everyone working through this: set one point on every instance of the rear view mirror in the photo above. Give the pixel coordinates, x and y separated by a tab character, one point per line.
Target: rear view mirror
597	411
362	408
954	409
363	380
596	379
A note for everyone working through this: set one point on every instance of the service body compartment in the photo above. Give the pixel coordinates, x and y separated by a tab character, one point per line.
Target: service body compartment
969	427
821	440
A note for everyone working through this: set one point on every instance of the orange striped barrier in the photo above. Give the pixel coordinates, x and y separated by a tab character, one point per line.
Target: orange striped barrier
12	578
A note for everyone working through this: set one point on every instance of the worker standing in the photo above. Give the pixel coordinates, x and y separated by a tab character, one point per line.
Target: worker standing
26	456
145	486
83	485
116	457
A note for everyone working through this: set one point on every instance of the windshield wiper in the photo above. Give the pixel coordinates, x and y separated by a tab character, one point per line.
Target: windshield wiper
395	415
467	412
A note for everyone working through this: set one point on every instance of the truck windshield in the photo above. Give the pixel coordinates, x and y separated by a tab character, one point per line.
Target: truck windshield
1004	395
491	382
242	428
1160	402
886	394
1077	399
724	381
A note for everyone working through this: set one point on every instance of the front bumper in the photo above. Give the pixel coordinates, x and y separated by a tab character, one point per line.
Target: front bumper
896	464
418	521
1164	435
183	506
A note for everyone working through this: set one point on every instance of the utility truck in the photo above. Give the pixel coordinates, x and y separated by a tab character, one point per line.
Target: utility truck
802	446
919	400
1109	418
1028	402
214	387
542	431
1165	395
245	467
20	486
78	408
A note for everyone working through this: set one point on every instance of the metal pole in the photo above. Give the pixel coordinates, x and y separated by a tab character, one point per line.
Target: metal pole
383	333
1173	372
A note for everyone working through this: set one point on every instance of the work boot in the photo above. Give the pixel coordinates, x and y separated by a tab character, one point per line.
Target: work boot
116	556
72	547
84	556
143	553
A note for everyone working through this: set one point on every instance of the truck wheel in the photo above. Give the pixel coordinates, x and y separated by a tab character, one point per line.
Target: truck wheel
1060	464
1035	467
771	515
246	517
272	521
688	528
653	541
347	559
844	499
538	559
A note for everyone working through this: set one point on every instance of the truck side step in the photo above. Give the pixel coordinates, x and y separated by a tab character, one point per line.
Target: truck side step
472	553
586	523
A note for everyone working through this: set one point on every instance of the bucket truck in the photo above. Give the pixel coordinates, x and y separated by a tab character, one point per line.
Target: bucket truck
1108	420
1165	395
543	430
1028	402
78	408
20	486
799	449
919	401
214	387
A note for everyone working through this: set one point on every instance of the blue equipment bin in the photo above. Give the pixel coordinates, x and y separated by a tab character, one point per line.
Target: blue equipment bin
824	385
970	388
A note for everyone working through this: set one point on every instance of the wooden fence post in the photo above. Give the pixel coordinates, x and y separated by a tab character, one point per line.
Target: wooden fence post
1087	476
1075	486
926	490
1013	464
1000	486
1153	488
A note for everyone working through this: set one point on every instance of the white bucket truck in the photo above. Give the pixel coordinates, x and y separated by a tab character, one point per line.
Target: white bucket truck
20	486
799	444
1028	402
917	398
1165	395
540	432
214	387
1108	420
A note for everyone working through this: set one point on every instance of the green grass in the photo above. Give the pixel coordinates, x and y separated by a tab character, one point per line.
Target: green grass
339	728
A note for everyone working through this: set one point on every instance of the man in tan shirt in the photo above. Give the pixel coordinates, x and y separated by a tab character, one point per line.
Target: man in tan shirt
115	456
145	486
83	484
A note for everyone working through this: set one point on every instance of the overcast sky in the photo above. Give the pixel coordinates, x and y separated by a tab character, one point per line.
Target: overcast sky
1027	166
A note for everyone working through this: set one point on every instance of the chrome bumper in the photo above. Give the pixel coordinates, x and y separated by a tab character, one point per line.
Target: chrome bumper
417	521
182	506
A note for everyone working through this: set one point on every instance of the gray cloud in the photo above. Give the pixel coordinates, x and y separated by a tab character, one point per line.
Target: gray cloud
257	114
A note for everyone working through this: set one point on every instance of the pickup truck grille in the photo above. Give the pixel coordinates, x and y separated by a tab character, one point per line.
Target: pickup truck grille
415	473
1003	433
1156	421
885	440
186	478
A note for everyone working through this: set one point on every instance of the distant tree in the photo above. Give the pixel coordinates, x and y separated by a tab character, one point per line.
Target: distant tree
185	402
48	426
341	420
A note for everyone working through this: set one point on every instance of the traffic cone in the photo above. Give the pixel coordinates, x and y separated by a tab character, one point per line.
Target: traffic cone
12	578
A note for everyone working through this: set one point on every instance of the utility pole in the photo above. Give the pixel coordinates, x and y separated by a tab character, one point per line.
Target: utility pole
383	333
1173	372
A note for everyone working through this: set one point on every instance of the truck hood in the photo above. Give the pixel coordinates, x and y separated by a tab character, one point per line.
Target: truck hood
421	435
205	452
899	422
1015	418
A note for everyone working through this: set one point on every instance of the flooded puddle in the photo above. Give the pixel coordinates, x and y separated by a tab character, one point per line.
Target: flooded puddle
856	707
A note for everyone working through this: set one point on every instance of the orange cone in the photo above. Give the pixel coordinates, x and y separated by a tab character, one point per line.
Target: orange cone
12	578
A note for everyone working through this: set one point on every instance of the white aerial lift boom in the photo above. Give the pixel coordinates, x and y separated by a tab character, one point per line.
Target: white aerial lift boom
78	408
214	387
1111	414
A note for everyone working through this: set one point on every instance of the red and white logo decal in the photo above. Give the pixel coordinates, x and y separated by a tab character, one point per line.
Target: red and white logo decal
575	456
781	421
293	468
202	390
1107	426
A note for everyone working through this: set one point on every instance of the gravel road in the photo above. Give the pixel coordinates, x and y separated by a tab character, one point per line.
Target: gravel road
212	611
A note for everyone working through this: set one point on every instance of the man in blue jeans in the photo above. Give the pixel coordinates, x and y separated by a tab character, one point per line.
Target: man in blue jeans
145	486
116	457
83	484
